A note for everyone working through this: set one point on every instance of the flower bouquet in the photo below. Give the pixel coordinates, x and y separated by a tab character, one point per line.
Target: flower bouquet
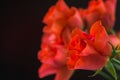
80	39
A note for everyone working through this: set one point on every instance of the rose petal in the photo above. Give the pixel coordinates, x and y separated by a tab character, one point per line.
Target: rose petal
60	58
75	20
47	54
74	56
55	12
77	44
109	17
46	70
91	62
63	74
101	36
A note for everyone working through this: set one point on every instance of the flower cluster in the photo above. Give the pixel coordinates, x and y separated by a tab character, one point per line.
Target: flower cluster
76	38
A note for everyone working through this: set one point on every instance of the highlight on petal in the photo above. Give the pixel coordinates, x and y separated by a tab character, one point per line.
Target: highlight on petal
48	37
46	70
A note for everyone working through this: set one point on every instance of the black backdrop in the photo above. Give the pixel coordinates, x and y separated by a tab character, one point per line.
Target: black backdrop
21	30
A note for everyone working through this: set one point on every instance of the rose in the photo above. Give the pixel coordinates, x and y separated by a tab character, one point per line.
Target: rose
89	51
54	64
60	21
100	10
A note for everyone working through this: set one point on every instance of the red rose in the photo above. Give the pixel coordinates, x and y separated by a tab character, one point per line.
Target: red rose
100	10
60	20
89	51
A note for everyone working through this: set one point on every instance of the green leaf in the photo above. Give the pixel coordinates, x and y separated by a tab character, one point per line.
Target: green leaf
96	72
115	60
111	69
116	63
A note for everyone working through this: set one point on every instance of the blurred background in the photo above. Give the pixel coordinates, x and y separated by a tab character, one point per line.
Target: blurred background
21	30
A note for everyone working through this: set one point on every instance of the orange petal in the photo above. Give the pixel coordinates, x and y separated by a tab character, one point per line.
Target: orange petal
88	59
77	43
95	11
66	35
101	36
74	56
109	18
49	18
55	12
75	19
62	7
91	62
61	56
47	54
46	70
83	35
63	73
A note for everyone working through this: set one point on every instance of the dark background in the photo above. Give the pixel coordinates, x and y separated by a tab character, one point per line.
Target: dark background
21	31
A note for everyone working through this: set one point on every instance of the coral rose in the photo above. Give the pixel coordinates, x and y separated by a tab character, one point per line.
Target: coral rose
100	10
60	20
89	51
